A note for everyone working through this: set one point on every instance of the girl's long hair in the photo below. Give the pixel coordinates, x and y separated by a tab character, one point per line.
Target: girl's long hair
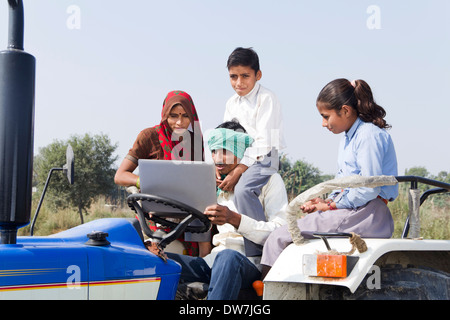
356	94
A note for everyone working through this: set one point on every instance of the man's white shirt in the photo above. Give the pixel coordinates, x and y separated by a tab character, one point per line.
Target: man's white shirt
274	200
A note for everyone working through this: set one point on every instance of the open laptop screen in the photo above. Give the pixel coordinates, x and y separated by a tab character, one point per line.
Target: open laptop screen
189	182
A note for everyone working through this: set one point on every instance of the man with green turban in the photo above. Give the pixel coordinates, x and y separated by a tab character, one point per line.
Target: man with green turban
227	269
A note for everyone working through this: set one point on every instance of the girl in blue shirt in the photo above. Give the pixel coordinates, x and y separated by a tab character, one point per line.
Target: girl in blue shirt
366	149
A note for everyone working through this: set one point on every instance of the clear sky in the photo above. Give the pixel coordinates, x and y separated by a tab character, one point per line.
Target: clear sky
105	66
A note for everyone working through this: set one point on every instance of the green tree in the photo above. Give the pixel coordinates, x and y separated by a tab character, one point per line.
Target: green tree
94	172
419	172
300	176
443	176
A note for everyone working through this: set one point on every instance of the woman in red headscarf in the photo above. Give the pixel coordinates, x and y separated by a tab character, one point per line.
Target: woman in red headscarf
165	140
176	137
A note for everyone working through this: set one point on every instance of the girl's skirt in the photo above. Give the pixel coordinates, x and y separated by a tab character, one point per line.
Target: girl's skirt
373	220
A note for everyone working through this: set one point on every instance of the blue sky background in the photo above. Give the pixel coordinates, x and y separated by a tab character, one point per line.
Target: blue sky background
112	73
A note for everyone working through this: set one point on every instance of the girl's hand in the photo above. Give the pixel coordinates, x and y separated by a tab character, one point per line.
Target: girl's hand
317	204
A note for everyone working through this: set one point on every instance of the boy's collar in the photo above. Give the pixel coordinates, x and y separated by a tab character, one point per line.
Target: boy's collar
252	94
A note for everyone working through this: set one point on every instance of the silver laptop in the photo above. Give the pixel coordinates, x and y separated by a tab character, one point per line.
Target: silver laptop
190	182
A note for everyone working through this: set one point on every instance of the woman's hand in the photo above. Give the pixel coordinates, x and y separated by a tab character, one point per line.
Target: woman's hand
124	174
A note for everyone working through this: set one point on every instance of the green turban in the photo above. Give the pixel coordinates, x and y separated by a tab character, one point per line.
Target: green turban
233	141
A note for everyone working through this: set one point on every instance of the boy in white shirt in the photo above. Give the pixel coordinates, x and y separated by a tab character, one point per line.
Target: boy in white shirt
258	110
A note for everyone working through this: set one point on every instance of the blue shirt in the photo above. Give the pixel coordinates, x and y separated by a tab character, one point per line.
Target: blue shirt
365	150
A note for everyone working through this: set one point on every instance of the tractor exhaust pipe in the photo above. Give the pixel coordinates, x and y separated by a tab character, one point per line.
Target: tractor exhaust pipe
15	36
17	85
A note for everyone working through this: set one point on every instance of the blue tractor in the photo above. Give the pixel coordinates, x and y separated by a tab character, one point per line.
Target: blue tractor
102	259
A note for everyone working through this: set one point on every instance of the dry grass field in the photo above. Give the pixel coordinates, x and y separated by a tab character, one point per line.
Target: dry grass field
434	215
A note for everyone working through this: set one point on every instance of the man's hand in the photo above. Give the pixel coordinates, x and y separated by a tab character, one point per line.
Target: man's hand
220	215
204	248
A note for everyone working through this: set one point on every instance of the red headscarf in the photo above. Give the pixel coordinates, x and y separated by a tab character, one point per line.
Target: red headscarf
165	133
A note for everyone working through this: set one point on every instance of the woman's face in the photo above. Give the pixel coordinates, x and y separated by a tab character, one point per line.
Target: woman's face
178	119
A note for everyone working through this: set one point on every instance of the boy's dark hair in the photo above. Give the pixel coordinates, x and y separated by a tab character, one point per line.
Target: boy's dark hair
232	125
244	57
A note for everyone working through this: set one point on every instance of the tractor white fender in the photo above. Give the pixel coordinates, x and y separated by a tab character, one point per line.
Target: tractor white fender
288	269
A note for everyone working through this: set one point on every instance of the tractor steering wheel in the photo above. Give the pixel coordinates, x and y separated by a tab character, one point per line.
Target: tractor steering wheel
185	212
